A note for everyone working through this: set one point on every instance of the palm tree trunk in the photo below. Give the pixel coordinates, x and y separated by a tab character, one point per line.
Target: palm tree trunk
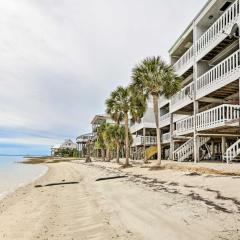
103	154
156	114
108	155
126	139
117	153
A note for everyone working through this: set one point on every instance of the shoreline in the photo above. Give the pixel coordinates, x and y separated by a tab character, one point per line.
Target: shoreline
6	193
68	202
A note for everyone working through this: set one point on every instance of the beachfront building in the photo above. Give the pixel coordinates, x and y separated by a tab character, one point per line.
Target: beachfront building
82	141
67	145
96	122
201	121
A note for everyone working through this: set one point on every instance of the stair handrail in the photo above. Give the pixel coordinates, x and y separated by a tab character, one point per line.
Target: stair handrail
232	151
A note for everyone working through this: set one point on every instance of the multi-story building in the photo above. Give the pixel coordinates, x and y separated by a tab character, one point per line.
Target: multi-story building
201	121
66	145
96	122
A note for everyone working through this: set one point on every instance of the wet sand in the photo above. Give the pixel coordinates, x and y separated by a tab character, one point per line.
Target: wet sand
69	204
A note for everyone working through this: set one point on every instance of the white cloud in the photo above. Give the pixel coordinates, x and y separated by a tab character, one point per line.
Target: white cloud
61	58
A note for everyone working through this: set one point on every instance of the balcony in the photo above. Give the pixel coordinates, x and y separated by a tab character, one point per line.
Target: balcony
143	124
185	126
182	98
165	120
216	33
185	62
222	116
163	101
166	138
149	141
219	76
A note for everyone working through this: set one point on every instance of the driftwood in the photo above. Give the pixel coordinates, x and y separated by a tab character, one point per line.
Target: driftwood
55	184
109	178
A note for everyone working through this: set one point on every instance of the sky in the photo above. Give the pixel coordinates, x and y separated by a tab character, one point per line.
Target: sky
60	59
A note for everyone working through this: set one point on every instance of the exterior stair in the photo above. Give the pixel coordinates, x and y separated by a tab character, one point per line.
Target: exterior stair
186	150
139	154
151	151
232	152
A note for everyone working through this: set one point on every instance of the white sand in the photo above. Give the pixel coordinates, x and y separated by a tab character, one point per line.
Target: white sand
173	206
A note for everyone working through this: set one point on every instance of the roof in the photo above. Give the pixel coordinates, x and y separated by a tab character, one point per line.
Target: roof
56	146
99	117
190	25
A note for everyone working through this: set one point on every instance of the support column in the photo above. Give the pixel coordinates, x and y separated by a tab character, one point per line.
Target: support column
212	148
171	157
239	101
195	103
144	145
223	146
196	137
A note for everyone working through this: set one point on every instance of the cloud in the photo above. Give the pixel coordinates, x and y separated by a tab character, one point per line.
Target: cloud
61	58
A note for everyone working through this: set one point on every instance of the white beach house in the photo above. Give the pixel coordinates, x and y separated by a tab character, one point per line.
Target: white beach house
201	121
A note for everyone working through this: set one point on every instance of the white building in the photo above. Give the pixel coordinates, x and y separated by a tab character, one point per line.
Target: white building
67	144
201	121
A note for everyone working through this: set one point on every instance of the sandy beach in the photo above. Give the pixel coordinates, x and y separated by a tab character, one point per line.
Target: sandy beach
166	204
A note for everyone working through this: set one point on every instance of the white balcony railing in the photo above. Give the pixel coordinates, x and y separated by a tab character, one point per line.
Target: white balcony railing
163	101
183	97
185	62
219	116
220	75
215	33
185	126
166	138
165	120
149	140
232	152
186	150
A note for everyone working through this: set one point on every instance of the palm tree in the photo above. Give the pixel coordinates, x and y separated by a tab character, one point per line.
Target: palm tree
124	102
118	135
112	109
100	139
108	136
154	77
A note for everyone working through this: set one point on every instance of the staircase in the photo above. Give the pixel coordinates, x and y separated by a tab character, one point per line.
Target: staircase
139	154
186	150
232	152
151	151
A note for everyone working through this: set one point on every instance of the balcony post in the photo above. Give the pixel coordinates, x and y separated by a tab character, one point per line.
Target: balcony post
223	146
238	112
144	144
212	148
171	137
195	103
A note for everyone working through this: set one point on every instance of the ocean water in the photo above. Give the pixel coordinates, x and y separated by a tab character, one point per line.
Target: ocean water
14	175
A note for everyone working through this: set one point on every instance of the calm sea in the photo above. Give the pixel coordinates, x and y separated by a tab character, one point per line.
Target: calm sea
14	175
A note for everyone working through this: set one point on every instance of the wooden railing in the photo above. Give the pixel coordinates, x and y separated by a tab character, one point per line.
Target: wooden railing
217	29
185	61
183	97
149	140
212	118
217	116
213	79
186	150
232	152
185	126
165	120
166	138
